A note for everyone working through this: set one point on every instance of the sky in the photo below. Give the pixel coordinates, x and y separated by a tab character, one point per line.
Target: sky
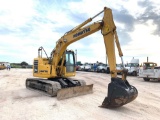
25	25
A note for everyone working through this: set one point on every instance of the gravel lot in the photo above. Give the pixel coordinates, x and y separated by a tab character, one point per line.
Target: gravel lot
19	103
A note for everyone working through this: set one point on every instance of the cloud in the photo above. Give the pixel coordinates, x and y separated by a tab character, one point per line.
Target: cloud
28	24
144	43
151	12
13	14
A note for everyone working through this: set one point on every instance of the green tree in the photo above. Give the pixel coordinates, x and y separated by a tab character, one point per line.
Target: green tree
24	64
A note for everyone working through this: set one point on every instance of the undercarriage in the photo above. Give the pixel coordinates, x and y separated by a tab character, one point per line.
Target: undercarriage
61	87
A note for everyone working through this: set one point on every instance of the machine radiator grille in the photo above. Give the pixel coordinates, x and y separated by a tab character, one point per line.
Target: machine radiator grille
35	66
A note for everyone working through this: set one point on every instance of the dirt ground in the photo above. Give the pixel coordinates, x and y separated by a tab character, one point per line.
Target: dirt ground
19	103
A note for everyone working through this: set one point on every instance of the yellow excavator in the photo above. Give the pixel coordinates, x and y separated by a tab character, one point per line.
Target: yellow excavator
53	74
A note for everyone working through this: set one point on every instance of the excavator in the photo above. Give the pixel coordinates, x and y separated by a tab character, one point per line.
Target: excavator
53	76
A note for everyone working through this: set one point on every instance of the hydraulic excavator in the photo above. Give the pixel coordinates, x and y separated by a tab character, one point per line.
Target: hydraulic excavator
57	69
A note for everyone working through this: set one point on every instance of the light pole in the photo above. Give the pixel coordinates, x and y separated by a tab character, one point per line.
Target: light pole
76	55
106	60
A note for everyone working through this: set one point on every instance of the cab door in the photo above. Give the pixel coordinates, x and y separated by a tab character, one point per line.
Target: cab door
70	62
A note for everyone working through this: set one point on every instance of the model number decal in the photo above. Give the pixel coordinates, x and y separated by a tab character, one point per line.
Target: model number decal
43	71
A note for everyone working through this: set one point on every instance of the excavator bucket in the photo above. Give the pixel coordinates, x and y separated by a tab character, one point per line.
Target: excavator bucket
120	92
74	91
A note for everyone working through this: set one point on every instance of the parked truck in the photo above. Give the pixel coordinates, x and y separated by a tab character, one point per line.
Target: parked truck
102	68
149	71
133	67
2	67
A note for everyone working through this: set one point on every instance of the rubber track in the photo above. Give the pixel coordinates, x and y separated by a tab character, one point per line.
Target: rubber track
51	87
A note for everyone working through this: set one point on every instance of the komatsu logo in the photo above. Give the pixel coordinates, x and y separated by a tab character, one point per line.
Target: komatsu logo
81	32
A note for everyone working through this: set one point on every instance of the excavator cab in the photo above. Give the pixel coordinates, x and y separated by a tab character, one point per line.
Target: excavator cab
67	64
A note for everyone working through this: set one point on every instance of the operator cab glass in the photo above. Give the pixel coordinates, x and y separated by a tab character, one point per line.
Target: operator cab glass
132	65
149	65
70	61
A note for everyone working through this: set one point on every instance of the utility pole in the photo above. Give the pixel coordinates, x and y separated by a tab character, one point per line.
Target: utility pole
76	55
106	60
